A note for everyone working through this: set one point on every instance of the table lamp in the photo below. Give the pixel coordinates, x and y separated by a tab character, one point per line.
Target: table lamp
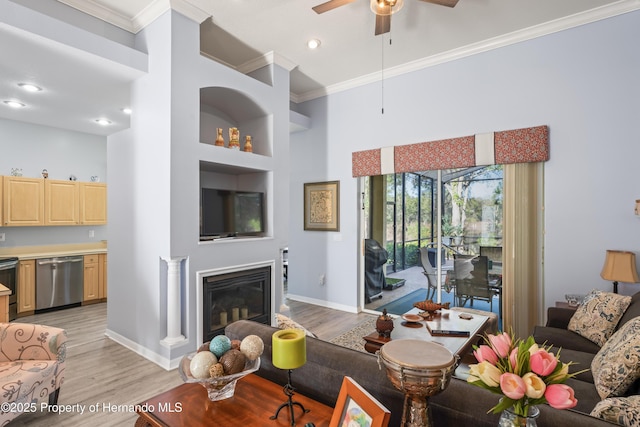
620	266
289	351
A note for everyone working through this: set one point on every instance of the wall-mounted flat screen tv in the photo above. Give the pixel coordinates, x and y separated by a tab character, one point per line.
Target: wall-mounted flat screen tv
225	213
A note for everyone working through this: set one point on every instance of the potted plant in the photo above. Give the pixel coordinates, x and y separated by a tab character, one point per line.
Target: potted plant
457	232
447	231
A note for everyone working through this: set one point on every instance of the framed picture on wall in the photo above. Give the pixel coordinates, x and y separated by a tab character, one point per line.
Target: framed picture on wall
355	406
322	206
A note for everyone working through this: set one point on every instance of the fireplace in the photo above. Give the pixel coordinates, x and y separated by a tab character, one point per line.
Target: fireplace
233	296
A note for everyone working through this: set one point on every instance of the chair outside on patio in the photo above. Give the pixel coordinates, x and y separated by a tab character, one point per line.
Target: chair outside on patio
431	272
472	280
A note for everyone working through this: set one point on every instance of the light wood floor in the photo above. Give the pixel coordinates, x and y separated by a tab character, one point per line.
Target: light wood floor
100	371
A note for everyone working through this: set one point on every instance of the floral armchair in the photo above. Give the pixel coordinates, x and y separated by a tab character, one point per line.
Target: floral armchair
32	365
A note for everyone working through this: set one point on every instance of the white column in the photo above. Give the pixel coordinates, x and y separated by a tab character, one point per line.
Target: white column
174	325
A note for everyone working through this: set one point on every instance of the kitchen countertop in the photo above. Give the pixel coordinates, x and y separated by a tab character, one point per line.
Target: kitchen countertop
49	251
4	291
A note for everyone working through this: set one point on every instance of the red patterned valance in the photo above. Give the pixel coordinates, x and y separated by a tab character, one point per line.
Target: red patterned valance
367	163
511	146
522	145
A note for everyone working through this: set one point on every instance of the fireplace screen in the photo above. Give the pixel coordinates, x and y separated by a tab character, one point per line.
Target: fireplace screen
239	295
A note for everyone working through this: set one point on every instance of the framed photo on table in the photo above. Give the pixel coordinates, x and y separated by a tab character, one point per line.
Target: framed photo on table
356	407
322	206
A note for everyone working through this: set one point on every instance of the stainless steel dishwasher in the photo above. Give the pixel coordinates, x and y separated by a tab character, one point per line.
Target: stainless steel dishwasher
59	281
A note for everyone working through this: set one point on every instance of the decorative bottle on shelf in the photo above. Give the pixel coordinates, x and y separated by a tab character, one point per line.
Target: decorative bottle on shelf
247	144
234	138
219	139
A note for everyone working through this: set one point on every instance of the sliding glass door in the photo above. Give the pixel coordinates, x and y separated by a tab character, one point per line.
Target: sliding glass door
401	214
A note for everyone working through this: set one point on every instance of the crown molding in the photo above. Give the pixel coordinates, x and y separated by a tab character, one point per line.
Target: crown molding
97	10
190	10
572	21
267	59
142	19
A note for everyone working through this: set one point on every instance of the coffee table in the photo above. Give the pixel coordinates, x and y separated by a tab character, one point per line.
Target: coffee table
444	320
254	401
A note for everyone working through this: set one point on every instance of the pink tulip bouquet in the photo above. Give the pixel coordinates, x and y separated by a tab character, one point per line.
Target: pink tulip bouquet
523	372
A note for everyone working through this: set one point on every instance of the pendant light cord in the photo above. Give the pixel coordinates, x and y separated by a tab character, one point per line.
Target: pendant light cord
382	75
382	71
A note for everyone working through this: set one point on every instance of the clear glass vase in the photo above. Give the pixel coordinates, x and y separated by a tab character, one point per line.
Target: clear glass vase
508	418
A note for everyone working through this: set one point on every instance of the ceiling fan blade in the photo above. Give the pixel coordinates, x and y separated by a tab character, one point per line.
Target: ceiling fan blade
330	5
448	3
383	24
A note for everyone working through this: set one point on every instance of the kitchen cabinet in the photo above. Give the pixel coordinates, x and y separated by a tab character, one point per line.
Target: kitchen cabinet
102	269
39	201
23	201
91	278
62	201
26	298
93	203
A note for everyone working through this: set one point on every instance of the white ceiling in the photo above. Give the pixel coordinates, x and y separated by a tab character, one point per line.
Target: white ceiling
241	32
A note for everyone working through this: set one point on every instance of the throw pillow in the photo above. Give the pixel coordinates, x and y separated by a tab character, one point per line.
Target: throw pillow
286	323
598	316
620	410
617	365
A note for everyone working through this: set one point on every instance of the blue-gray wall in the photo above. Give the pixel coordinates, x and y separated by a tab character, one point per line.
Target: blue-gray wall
33	148
156	213
582	83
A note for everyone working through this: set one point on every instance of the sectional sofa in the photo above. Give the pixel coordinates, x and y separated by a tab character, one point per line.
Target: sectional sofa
321	377
606	343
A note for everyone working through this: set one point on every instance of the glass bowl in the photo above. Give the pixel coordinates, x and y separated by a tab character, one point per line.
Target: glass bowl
218	388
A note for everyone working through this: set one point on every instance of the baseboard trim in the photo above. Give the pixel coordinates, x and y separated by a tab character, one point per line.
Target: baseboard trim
163	362
323	303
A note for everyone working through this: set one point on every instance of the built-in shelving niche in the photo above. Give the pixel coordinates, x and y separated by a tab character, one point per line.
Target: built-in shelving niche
231	169
225	108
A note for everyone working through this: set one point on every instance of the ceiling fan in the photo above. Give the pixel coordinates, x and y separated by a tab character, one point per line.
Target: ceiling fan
382	8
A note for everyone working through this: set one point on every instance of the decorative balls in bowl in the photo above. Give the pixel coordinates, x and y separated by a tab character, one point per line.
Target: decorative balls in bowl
220	363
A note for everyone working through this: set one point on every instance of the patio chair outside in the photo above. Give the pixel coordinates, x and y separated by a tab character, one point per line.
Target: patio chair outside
472	280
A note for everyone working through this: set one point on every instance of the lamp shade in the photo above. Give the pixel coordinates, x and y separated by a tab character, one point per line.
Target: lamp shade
620	266
289	348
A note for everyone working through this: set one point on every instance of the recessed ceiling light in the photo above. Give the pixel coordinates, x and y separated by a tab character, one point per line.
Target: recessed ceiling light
15	104
29	87
313	44
103	122
126	110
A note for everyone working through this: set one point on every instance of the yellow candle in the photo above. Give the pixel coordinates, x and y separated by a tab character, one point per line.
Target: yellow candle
289	348
235	314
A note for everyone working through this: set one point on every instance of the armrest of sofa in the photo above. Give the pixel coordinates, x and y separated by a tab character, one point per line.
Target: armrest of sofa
559	317
25	341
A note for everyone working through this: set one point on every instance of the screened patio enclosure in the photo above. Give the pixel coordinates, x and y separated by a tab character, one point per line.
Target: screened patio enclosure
401	214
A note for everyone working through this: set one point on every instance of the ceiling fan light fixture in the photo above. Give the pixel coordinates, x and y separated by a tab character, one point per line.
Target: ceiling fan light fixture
386	7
